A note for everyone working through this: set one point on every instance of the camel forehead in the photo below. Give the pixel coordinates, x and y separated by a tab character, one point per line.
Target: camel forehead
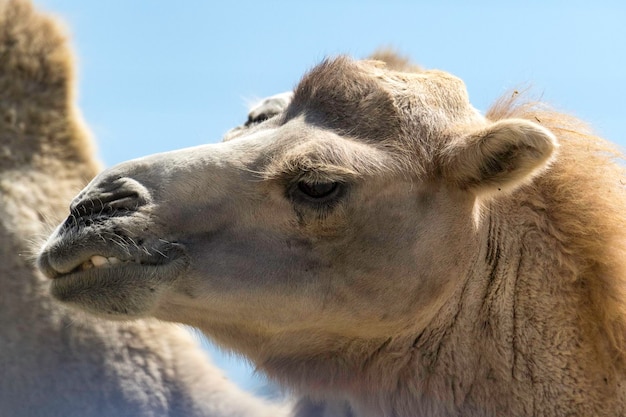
364	99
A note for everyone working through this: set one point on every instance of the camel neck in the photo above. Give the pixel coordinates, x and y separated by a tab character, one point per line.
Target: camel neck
511	340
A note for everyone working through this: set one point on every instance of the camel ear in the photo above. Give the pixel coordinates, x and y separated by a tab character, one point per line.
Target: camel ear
499	158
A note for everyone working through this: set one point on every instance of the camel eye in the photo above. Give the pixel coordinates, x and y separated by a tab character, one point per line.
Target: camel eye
319	195
318	190
259	118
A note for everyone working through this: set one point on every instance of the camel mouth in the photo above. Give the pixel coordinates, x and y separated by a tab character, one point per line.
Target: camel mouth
99	261
101	267
60	260
57	264
113	285
102	262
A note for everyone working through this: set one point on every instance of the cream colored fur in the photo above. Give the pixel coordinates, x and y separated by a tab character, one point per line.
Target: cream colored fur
379	247
55	361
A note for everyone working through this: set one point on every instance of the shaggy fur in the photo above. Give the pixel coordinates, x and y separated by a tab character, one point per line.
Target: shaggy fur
379	247
586	194
55	362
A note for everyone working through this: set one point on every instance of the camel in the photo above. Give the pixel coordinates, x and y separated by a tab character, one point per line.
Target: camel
379	247
53	361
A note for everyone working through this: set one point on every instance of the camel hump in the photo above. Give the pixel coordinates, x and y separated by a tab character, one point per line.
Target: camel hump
38	119
35	60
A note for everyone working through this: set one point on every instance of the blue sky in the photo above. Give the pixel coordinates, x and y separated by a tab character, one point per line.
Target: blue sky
156	75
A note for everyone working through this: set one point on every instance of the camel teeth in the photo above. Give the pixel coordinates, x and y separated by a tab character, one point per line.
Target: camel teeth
98	260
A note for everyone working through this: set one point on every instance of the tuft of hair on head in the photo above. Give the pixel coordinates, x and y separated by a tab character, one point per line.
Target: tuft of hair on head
394	60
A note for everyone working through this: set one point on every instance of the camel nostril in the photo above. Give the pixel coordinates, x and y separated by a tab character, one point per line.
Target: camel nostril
106	203
108	197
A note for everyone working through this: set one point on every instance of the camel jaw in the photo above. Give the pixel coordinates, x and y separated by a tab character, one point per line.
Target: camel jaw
108	278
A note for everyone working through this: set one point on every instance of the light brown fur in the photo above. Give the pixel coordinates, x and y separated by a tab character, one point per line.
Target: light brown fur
55	361
586	195
461	266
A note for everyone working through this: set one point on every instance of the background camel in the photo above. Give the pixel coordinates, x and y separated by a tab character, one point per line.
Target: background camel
378	245
53	361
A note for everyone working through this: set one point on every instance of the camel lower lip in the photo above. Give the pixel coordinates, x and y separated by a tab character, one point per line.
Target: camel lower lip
93	276
90	287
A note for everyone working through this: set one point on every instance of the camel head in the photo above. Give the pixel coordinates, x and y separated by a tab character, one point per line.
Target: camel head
350	214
